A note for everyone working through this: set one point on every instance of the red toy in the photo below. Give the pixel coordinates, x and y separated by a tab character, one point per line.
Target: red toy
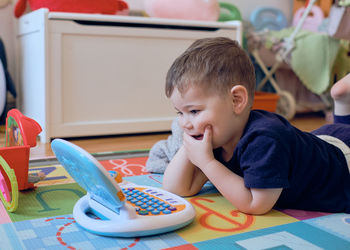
78	6
21	133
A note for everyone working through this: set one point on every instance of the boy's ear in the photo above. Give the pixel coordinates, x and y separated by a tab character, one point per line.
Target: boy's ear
240	98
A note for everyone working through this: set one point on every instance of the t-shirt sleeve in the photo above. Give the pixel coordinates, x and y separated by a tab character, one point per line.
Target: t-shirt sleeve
265	163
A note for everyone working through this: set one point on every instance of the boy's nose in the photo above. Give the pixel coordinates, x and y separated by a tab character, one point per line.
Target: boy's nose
185	123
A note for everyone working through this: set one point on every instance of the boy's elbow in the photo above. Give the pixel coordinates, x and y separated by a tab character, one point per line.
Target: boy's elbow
255	209
261	202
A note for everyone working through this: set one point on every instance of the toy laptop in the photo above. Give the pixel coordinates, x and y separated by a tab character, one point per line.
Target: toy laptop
115	209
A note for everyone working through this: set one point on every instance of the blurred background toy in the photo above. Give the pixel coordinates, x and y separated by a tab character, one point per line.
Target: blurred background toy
312	21
3	91
229	12
325	5
6	83
268	18
8	186
20	135
204	10
78	6
339	20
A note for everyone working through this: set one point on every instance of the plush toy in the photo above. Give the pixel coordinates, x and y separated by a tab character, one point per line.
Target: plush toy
204	10
78	6
312	21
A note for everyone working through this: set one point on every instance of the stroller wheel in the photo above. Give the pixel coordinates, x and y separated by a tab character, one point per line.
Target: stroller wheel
286	105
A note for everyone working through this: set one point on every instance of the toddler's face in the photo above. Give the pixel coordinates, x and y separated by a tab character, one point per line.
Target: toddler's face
197	109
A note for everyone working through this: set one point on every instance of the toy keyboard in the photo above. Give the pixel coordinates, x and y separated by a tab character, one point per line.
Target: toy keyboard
123	210
150	201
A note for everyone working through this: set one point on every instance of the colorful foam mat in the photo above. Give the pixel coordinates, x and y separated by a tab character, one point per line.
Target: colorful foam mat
43	220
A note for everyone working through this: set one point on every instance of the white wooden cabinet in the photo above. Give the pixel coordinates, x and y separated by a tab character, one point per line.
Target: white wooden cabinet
90	75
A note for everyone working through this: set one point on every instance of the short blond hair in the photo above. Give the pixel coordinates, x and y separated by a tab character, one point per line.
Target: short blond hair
214	64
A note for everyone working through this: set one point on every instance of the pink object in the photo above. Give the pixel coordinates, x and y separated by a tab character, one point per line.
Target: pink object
4	218
302	214
204	10
312	21
4	189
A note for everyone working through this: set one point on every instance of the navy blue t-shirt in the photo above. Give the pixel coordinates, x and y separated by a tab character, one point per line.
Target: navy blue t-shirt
274	154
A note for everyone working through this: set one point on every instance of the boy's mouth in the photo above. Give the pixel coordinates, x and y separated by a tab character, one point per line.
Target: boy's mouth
197	137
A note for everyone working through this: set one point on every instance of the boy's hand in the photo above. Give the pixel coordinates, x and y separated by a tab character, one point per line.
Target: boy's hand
199	152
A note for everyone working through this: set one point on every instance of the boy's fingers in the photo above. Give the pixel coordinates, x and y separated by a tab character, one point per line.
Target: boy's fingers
207	134
187	137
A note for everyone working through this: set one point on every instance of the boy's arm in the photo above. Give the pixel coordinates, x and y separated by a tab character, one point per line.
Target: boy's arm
231	186
182	177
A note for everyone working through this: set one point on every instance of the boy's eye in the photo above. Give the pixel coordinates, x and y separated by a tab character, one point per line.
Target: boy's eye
194	111
179	113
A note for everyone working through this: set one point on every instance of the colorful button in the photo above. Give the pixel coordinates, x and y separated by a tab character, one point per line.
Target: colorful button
166	211
143	212
155	211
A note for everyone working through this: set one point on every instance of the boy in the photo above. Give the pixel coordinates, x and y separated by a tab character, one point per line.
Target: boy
256	159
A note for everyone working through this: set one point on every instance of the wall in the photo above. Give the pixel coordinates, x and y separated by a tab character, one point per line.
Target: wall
8	21
7	34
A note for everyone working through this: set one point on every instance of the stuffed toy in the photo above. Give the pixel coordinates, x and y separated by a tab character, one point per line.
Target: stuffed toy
203	10
164	151
78	6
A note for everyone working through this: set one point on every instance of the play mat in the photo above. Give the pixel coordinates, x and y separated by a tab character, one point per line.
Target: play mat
43	219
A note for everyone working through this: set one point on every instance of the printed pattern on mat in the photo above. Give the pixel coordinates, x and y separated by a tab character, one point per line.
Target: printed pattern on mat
47	201
43	220
303	215
127	167
337	224
156	180
54	174
4	218
216	217
297	235
63	233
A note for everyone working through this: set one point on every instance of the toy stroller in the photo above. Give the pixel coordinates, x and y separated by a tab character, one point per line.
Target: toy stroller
286	105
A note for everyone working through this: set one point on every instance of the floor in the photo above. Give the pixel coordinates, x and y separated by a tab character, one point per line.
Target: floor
305	122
